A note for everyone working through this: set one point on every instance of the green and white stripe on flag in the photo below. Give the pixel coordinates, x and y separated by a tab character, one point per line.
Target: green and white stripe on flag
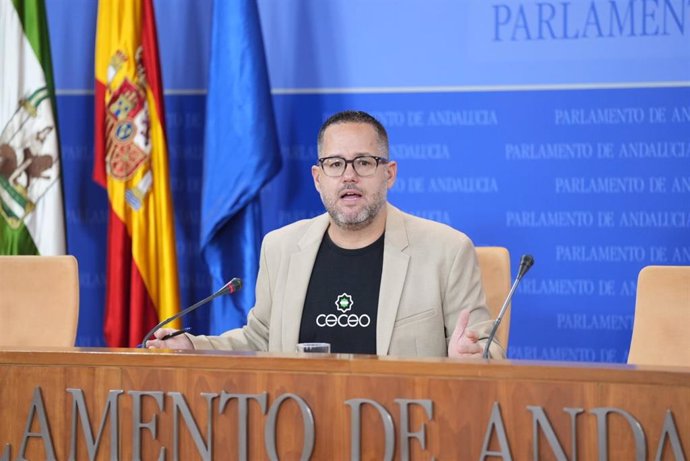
31	209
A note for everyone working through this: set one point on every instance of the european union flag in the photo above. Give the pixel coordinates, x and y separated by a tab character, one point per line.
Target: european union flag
241	155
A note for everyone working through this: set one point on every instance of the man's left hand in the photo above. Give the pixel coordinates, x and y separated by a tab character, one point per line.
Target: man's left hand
464	342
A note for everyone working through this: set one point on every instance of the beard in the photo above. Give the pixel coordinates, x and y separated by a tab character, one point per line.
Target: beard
360	219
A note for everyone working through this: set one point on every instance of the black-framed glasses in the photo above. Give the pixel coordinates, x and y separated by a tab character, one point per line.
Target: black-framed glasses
364	165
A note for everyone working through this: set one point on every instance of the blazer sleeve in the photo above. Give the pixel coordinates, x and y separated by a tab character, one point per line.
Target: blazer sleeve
464	291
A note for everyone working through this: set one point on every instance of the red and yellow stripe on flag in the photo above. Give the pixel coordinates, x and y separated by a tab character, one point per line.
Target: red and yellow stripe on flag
131	162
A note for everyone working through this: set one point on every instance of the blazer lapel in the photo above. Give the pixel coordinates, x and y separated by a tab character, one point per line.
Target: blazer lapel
393	275
299	272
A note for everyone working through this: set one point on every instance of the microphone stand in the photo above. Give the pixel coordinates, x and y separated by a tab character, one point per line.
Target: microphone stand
526	263
230	287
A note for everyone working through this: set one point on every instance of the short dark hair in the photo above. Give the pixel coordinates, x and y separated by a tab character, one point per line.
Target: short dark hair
355	116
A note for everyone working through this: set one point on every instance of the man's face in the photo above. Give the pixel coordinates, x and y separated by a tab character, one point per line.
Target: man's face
353	201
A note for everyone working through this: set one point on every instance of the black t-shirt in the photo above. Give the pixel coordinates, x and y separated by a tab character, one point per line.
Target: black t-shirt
342	299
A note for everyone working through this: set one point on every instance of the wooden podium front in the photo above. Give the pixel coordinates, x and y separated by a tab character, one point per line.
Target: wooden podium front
140	404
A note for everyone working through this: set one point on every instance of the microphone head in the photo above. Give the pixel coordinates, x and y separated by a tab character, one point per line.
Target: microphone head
526	262
229	288
234	285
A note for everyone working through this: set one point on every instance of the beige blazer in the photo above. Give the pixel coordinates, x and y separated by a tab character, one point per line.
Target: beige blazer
430	273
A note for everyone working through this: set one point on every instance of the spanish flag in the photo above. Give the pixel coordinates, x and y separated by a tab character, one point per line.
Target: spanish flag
131	162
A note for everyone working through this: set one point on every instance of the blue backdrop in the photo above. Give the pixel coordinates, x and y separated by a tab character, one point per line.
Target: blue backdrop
560	129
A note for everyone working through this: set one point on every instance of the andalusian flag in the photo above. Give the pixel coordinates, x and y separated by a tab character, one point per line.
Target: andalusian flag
131	162
31	215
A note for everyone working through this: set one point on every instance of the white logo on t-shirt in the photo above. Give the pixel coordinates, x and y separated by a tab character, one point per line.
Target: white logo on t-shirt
344	304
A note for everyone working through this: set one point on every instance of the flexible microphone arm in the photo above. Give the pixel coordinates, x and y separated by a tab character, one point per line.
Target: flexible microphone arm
526	262
231	287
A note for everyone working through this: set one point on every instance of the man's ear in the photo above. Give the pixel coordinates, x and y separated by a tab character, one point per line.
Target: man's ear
391	173
316	174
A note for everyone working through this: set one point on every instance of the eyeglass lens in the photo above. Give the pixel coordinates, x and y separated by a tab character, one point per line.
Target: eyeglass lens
364	165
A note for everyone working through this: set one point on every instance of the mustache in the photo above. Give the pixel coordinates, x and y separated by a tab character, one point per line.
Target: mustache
350	188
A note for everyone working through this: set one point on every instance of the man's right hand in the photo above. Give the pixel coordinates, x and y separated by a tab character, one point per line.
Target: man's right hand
180	342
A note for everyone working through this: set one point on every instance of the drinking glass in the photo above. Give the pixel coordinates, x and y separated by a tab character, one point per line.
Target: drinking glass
323	348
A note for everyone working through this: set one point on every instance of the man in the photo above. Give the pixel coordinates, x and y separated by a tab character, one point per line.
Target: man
364	277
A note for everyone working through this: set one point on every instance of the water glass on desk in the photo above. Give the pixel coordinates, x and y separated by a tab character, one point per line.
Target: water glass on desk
324	348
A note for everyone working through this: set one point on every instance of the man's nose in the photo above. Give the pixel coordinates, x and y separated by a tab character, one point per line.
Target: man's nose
350	174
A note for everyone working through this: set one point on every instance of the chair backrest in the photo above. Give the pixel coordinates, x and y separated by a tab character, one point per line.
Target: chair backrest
39	300
494	264
662	315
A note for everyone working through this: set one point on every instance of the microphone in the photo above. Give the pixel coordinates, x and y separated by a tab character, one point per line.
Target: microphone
229	288
526	262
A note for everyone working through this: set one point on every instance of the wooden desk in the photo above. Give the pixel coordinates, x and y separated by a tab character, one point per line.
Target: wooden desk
440	408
